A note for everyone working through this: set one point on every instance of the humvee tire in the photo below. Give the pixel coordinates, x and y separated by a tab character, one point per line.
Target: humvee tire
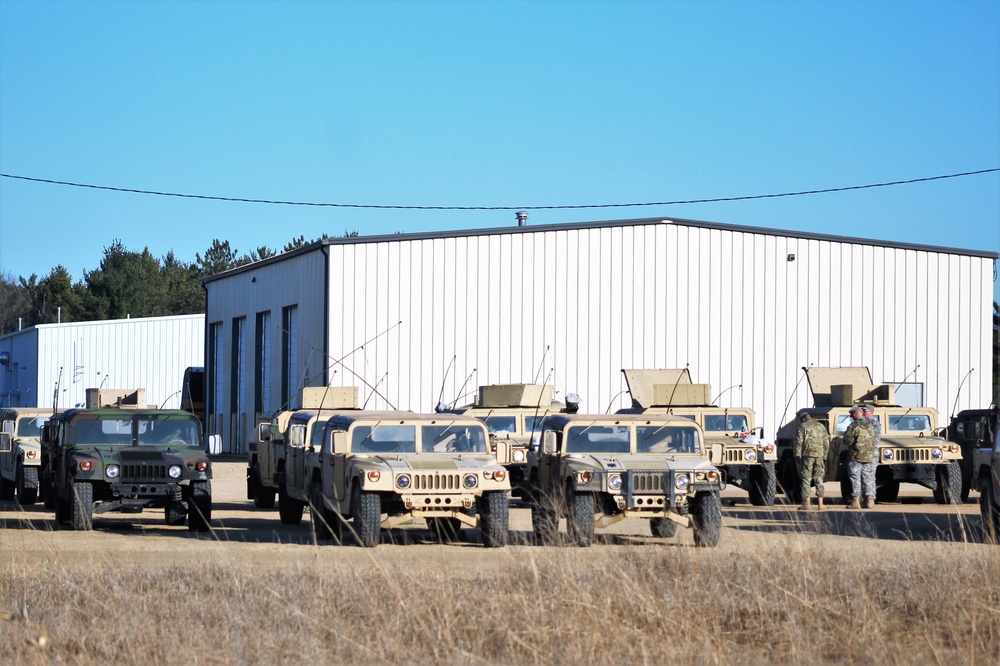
949	484
887	492
200	506
790	481
846	490
580	518
289	509
327	525
26	485
494	519
175	514
663	528
706	514
6	489
763	484
990	514
367	509
263	498
81	506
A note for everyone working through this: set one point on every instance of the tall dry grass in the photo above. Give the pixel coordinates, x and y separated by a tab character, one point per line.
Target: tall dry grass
788	602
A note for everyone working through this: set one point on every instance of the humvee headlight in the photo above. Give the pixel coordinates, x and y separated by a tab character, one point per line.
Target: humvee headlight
403	481
374	475
682	481
936	454
470	480
518	456
615	481
85	465
174	472
112	471
887	454
585	477
750	455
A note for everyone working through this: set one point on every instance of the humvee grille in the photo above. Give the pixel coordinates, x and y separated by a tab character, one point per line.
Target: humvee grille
436	481
140	472
649	482
910	456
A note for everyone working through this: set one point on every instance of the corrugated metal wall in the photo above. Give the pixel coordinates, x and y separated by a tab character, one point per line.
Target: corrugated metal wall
148	353
19	376
577	305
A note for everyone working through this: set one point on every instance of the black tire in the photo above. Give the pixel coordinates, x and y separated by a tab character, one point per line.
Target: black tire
544	519
26	485
263	498
6	489
763	484
200	506
81	506
949	484
990	513
887	492
367	508
580	519
327	525
289	509
664	528
494	519
62	509
175	513
791	483
47	491
706	519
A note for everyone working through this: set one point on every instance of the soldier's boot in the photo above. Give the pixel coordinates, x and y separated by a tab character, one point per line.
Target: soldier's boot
855	503
806	504
869	502
819	503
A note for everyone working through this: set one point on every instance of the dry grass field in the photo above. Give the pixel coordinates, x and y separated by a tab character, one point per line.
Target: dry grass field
905	584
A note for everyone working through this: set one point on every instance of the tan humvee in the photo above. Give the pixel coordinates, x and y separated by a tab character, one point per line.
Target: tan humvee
910	449
266	465
748	461
383	469
21	452
649	466
986	478
514	412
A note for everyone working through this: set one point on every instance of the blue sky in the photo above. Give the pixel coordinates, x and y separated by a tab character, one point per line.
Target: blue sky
489	104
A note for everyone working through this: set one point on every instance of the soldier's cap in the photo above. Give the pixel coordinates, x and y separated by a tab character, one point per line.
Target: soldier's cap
856	408
804	416
868	408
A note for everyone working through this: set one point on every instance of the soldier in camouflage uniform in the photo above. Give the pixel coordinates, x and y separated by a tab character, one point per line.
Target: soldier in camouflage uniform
812	444
869	414
860	441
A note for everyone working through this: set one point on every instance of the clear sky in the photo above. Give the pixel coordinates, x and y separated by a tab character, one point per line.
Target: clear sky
489	104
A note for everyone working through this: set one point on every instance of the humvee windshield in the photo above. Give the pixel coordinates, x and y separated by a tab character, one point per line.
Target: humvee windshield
666	439
726	423
532	424
501	424
384	439
453	439
144	429
912	422
845	420
597	439
31	426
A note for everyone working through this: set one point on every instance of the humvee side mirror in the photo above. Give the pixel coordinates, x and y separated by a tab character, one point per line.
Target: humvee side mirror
7	428
716	457
339	442
502	448
50	433
264	432
214	445
549	441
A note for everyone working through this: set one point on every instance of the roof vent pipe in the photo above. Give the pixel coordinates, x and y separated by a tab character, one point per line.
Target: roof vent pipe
522	218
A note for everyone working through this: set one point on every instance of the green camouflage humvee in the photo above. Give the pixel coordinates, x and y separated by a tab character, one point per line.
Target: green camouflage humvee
986	479
650	466
118	455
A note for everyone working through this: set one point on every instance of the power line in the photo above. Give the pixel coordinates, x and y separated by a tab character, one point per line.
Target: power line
557	207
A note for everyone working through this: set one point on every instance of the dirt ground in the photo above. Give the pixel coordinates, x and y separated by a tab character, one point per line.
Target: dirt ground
242	533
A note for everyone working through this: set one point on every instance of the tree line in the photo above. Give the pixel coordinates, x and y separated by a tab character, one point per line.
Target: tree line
127	283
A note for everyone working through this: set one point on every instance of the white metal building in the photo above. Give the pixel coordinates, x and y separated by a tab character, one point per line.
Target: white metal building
51	363
410	317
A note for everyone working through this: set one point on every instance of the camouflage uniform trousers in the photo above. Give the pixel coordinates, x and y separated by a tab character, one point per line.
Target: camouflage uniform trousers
812	470
862	477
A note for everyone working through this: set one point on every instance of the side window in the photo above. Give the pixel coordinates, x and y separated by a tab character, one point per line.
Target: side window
297	436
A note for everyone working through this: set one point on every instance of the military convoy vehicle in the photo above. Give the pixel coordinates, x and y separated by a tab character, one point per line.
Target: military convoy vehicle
514	412
266	465
986	479
618	466
118	454
971	429
372	470
748	460
910	449
21	452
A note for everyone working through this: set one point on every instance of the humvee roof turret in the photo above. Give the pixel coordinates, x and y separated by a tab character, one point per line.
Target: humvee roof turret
748	461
